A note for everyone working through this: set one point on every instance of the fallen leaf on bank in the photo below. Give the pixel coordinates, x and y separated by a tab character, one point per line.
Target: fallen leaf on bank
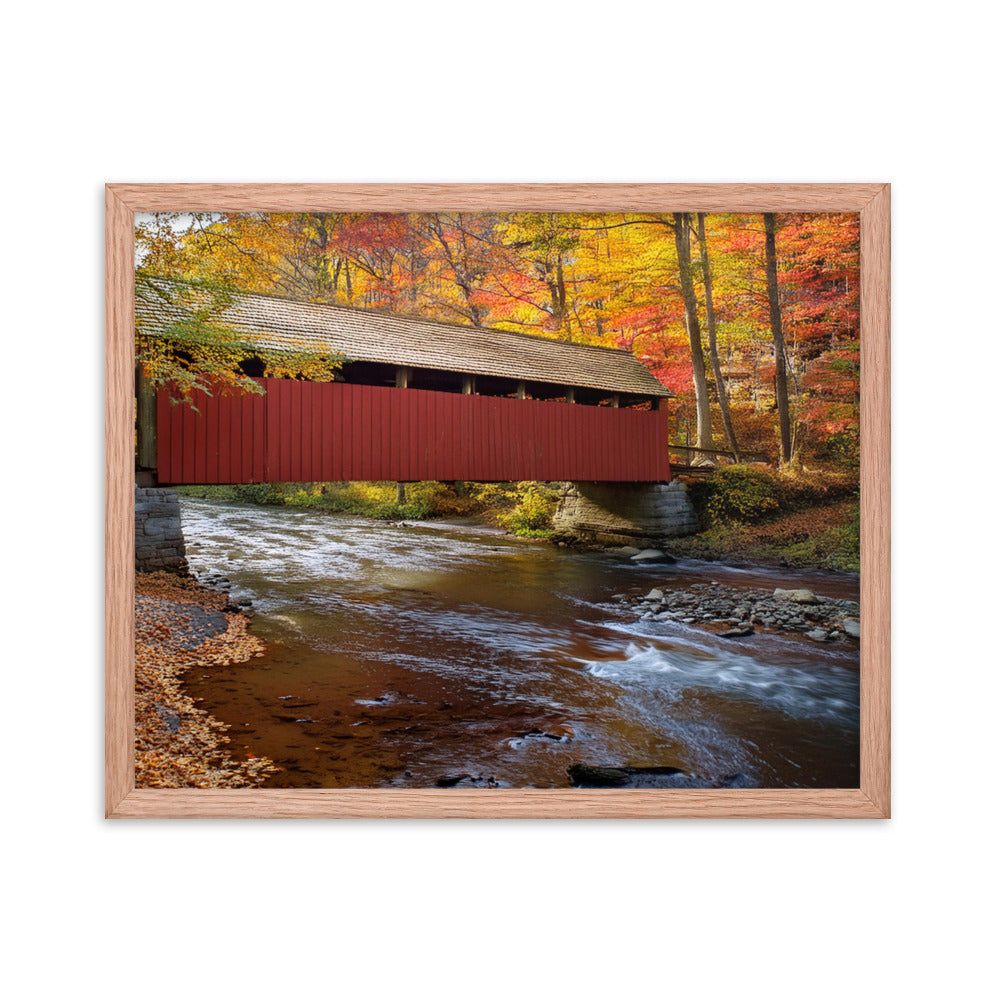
191	753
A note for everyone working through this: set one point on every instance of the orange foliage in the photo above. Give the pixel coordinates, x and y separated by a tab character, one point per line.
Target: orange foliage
607	279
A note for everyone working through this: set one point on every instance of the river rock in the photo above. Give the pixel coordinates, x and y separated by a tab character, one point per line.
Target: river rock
559	732
451	780
652	555
585	776
588	776
801	596
654	595
626	550
738	632
852	627
820	635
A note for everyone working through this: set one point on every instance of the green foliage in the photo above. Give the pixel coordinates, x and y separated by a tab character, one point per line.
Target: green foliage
531	516
754	494
834	547
824	534
263	493
533	532
499	497
524	509
841	450
743	494
379	500
198	351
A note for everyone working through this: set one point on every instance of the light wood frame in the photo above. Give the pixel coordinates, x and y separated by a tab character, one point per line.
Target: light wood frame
870	800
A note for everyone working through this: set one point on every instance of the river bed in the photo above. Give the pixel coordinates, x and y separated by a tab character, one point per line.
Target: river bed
403	656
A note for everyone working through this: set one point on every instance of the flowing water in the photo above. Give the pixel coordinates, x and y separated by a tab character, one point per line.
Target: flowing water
401	655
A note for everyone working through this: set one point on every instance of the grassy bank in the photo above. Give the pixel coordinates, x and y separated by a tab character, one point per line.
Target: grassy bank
522	508
756	515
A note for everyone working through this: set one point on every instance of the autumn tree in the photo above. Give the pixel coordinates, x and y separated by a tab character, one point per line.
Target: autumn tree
780	360
457	250
713	347
777	302
547	243
197	348
682	240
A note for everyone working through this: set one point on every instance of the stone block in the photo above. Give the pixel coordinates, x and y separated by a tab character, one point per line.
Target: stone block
609	511
159	539
159	525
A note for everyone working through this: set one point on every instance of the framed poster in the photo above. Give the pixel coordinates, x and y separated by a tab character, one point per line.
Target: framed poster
701	370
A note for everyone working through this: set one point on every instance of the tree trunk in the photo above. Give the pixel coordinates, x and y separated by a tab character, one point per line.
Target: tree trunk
713	347
457	259
780	372
561	292
682	240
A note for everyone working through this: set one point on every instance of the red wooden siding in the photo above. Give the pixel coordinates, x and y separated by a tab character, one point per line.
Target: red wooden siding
332	432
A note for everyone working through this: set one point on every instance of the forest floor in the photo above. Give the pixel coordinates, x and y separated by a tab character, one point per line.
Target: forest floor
822	536
181	626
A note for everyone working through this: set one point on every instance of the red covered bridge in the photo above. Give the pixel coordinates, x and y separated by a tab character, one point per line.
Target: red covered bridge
416	400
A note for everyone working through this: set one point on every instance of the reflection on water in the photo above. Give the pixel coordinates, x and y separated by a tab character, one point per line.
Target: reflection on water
401	655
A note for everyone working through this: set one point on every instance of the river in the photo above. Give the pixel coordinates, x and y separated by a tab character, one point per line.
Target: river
401	655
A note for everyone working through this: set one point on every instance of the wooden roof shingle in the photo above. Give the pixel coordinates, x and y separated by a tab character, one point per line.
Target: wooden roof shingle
369	335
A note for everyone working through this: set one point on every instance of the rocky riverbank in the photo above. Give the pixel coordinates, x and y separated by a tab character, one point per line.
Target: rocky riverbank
182	626
820	536
736	613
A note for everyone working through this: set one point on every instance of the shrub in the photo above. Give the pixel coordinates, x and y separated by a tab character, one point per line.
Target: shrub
809	489
743	494
263	493
841	450
303	495
522	508
531	517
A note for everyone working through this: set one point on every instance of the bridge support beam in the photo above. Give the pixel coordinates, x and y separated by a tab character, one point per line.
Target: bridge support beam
625	513
159	540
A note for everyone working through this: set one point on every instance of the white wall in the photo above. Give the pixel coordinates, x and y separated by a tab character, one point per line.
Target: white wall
511	91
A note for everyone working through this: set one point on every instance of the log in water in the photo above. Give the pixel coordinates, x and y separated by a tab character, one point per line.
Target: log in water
451	655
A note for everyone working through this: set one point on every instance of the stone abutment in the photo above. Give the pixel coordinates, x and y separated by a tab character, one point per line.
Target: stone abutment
159	541
624	513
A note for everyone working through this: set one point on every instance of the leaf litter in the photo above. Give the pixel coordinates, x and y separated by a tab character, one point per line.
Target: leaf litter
180	625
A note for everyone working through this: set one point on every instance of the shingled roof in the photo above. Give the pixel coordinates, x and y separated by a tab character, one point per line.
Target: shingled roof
369	335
